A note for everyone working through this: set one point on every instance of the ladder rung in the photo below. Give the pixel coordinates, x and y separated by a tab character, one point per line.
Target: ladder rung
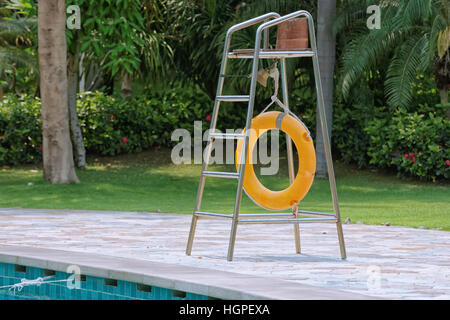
263	54
216	174
280	221
235	76
233	98
227	135
213	214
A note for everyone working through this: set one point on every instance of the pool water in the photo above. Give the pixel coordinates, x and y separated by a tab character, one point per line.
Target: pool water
55	287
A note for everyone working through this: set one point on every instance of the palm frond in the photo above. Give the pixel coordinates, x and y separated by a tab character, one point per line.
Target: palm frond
408	38
13	58
412	12
402	70
439	24
351	14
157	54
363	53
11	29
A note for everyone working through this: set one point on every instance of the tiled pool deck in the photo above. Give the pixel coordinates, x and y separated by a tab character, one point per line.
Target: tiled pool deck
409	263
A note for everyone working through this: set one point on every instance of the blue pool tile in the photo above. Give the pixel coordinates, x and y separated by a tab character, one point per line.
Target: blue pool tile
94	288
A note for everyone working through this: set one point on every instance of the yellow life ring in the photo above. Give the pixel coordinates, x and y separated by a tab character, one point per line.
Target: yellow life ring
289	197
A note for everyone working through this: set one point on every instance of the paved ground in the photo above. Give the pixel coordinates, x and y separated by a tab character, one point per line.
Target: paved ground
383	261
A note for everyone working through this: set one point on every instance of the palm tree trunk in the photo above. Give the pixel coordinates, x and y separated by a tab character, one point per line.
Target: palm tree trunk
127	85
57	147
77	136
326	44
444	100
444	96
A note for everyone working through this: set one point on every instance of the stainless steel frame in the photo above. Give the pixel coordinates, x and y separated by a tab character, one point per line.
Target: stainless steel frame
269	20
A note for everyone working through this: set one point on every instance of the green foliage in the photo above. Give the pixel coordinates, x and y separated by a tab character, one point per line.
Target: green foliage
113	32
113	125
20	130
371	136
122	37
195	28
349	138
425	95
18	64
144	121
415	144
110	125
302	102
406	43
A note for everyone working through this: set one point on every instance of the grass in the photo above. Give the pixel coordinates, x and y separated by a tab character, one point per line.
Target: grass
149	182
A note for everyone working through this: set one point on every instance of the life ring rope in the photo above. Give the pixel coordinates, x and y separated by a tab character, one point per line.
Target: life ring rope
275	75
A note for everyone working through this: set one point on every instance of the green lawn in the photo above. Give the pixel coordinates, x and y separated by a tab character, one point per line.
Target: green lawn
147	182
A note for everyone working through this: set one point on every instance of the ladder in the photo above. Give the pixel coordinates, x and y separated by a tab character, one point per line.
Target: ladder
268	20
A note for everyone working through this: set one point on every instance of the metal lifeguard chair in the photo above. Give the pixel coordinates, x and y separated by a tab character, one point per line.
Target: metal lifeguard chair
289	45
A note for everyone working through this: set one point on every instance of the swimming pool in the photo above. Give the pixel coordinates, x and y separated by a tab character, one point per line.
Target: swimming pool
56	285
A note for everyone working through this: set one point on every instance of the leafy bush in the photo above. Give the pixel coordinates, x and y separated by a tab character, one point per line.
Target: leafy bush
415	144
20	130
110	125
349	138
113	125
302	102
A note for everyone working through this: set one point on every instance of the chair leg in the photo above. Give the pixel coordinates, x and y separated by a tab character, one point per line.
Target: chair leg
232	241
297	238
191	234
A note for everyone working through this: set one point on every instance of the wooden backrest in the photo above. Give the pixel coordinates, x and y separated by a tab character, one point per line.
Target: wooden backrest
293	35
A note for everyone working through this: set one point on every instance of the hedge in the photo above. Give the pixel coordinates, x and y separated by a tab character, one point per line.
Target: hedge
412	143
110	125
20	130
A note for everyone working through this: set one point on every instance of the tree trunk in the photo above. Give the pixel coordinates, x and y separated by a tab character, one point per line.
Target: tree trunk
77	136
326	44
82	73
127	85
444	100
444	96
12	88
442	79
57	147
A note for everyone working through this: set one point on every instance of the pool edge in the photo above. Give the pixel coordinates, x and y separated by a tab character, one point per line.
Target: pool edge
208	282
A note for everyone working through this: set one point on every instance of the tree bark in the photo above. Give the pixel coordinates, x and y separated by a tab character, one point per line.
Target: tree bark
326	43
127	85
444	101
442	79
77	136
57	147
444	96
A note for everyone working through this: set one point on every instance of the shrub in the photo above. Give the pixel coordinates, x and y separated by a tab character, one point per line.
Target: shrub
20	130
415	144
348	137
113	125
302	102
110	125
